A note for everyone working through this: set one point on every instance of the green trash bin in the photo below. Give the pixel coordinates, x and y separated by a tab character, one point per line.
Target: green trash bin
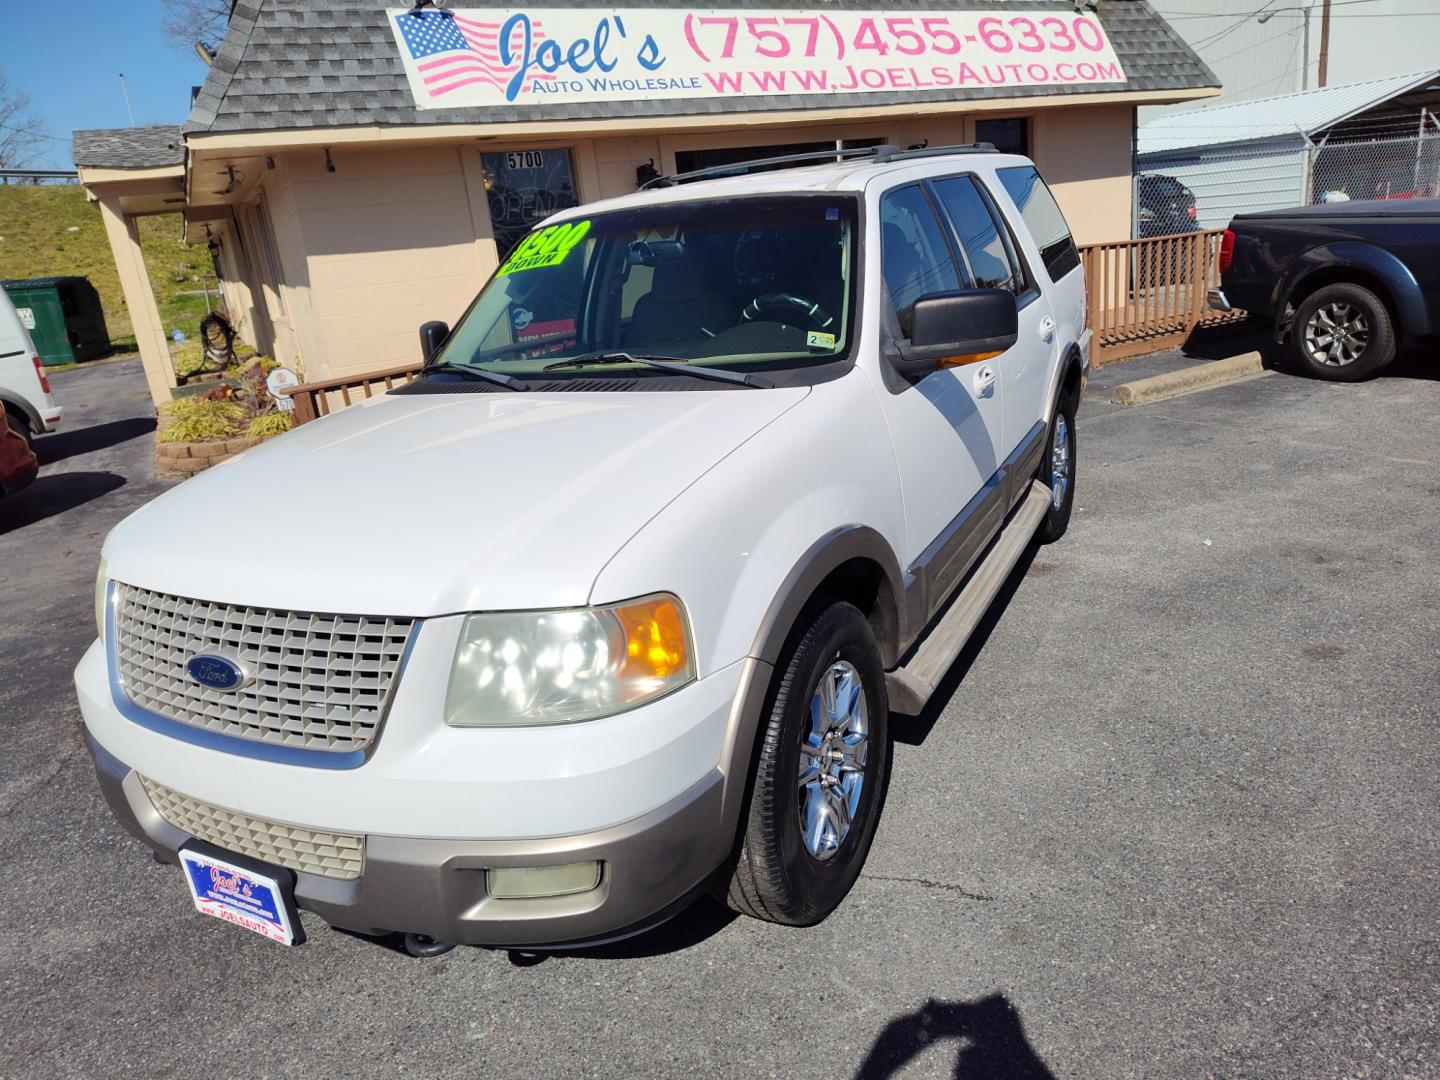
64	317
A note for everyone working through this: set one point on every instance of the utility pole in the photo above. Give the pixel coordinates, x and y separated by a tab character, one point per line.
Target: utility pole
124	89
1305	50
1324	41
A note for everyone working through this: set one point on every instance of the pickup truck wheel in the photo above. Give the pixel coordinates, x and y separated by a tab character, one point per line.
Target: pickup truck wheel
820	777
1343	333
1057	471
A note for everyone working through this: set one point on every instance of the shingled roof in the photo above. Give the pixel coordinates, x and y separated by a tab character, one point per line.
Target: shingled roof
149	147
288	64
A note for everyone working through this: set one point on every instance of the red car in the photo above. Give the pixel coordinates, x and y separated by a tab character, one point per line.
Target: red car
18	464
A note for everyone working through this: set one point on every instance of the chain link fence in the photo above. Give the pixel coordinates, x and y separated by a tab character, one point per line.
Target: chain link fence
1378	169
1204	188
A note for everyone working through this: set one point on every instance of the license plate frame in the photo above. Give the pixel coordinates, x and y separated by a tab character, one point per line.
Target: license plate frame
244	892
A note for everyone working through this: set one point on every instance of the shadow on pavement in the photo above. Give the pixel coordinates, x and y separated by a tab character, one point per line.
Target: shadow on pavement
912	731
699	921
55	494
66	444
994	1044
1226	340
1413	361
703	919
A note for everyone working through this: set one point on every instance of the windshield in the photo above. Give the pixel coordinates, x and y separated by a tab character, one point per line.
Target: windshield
748	284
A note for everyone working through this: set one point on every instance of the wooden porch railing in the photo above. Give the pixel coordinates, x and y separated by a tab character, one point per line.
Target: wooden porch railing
1149	294
318	399
1142	295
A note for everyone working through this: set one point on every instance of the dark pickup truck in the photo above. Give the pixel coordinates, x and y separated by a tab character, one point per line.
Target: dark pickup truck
1343	282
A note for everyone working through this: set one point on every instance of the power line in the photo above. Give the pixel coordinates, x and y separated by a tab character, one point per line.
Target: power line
1280	40
1222	14
1357	15
1284	72
1227	31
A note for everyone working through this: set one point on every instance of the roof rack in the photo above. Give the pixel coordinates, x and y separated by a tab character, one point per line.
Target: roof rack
886	152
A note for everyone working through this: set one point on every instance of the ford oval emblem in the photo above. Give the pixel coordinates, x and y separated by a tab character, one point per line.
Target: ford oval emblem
216	672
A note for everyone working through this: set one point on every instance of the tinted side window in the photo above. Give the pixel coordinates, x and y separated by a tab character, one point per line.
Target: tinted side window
916	260
979	234
1043	218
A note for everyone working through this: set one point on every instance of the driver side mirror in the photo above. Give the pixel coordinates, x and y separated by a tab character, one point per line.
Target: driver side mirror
432	336
951	329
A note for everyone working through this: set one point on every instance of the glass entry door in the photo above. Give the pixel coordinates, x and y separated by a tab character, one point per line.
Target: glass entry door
524	186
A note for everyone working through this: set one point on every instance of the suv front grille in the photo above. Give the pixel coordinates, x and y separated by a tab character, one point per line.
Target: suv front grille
336	855
321	682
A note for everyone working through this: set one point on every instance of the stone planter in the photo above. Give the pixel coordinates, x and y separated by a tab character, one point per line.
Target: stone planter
178	460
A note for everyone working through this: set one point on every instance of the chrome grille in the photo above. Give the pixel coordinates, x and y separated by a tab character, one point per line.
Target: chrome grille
336	855
321	682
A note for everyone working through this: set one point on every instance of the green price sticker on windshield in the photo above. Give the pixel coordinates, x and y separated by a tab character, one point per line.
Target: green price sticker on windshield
546	247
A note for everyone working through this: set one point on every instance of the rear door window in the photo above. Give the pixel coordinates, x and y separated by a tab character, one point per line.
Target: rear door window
980	237
1043	218
916	260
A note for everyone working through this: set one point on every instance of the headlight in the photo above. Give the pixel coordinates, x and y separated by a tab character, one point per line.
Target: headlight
101	581
556	667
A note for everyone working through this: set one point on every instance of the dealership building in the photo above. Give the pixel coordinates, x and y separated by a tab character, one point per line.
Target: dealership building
359	169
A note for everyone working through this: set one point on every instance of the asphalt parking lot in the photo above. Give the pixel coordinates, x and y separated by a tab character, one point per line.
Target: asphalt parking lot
1175	817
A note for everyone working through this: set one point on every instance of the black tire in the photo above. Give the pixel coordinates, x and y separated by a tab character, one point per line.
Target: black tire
775	876
1373	316
20	426
1057	518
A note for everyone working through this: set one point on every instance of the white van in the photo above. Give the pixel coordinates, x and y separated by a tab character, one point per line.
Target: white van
598	616
30	407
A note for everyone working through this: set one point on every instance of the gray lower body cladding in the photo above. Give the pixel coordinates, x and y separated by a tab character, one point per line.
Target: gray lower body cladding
437	887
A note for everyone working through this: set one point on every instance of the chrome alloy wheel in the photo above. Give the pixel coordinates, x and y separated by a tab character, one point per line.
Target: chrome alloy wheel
832	760
1337	334
1060	462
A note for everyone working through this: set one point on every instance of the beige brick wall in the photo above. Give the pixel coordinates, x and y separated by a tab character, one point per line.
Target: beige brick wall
1085	155
390	241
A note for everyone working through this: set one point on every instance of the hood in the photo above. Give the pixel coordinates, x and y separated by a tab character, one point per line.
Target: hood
426	505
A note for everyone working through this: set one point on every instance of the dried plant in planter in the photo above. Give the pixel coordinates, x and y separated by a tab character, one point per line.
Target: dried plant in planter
240	406
275	423
198	418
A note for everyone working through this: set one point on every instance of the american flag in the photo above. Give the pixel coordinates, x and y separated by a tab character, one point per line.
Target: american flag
451	51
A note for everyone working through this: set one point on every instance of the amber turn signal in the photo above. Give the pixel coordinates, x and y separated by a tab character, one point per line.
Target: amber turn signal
655	639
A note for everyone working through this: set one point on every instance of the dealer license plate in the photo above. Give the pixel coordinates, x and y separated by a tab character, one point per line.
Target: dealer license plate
239	895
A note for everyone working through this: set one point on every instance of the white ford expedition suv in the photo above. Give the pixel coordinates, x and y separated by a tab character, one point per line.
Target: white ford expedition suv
613	603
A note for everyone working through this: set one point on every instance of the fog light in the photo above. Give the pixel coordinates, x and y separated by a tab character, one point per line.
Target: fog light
528	882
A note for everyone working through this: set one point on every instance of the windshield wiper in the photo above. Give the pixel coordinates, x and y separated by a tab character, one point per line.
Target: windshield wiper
507	381
676	365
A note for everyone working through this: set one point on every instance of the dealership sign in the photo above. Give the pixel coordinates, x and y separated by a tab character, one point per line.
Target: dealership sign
472	58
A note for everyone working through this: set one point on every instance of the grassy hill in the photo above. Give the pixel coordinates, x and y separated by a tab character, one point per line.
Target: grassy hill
52	230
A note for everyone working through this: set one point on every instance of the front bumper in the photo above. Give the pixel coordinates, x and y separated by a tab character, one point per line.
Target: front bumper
650	867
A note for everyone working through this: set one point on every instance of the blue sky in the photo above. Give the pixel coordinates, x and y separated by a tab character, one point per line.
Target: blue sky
67	55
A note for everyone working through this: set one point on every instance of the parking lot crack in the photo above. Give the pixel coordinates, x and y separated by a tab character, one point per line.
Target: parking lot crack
8	806
944	886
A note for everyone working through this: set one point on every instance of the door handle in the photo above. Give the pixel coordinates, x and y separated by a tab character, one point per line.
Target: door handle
984	379
1047	328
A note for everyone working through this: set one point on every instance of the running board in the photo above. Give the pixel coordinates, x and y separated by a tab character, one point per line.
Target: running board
911	685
